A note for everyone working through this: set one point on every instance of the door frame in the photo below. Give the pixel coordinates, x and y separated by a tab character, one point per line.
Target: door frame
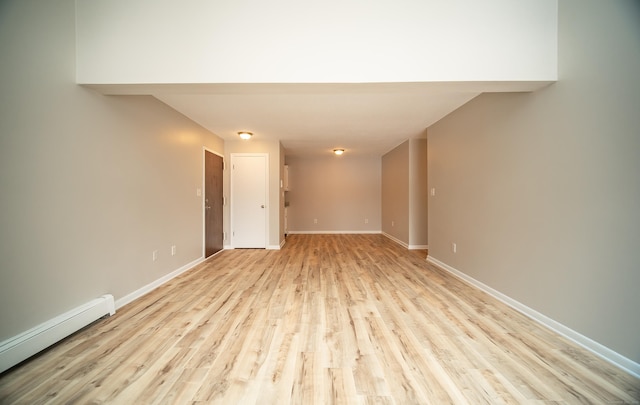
266	197
203	196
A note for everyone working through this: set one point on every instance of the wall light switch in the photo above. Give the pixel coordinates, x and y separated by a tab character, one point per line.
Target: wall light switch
198	192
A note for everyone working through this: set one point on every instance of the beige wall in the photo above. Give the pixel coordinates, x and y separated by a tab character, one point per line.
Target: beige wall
404	193
90	185
541	191
418	193
339	191
272	148
395	193
282	194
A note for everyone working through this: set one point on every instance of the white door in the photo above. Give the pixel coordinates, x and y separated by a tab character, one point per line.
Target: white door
249	200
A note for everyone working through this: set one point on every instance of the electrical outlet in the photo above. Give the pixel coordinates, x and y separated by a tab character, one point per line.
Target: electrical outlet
173	250
393	223
315	220
433	191
198	192
366	220
454	247
154	255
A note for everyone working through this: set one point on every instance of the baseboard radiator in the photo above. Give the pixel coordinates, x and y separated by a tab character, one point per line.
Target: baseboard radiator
25	345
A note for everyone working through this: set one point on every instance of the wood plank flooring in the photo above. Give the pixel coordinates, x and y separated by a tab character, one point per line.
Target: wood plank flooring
345	319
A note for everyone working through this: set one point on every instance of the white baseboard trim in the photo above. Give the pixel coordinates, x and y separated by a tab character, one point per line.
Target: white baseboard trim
21	347
334	232
405	245
157	283
596	348
268	247
396	240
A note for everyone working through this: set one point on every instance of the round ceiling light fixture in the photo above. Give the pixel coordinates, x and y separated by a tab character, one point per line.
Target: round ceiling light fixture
338	151
245	135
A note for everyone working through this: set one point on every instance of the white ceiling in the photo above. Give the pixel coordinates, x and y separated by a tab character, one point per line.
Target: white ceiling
316	78
314	118
365	119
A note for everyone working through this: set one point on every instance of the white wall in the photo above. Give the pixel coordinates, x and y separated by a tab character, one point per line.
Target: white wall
541	191
334	41
91	185
339	191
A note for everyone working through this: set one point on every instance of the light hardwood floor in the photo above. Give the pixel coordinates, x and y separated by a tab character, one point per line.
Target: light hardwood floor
328	319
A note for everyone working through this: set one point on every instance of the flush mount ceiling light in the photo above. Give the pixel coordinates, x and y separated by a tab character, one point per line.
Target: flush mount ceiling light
338	151
245	135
